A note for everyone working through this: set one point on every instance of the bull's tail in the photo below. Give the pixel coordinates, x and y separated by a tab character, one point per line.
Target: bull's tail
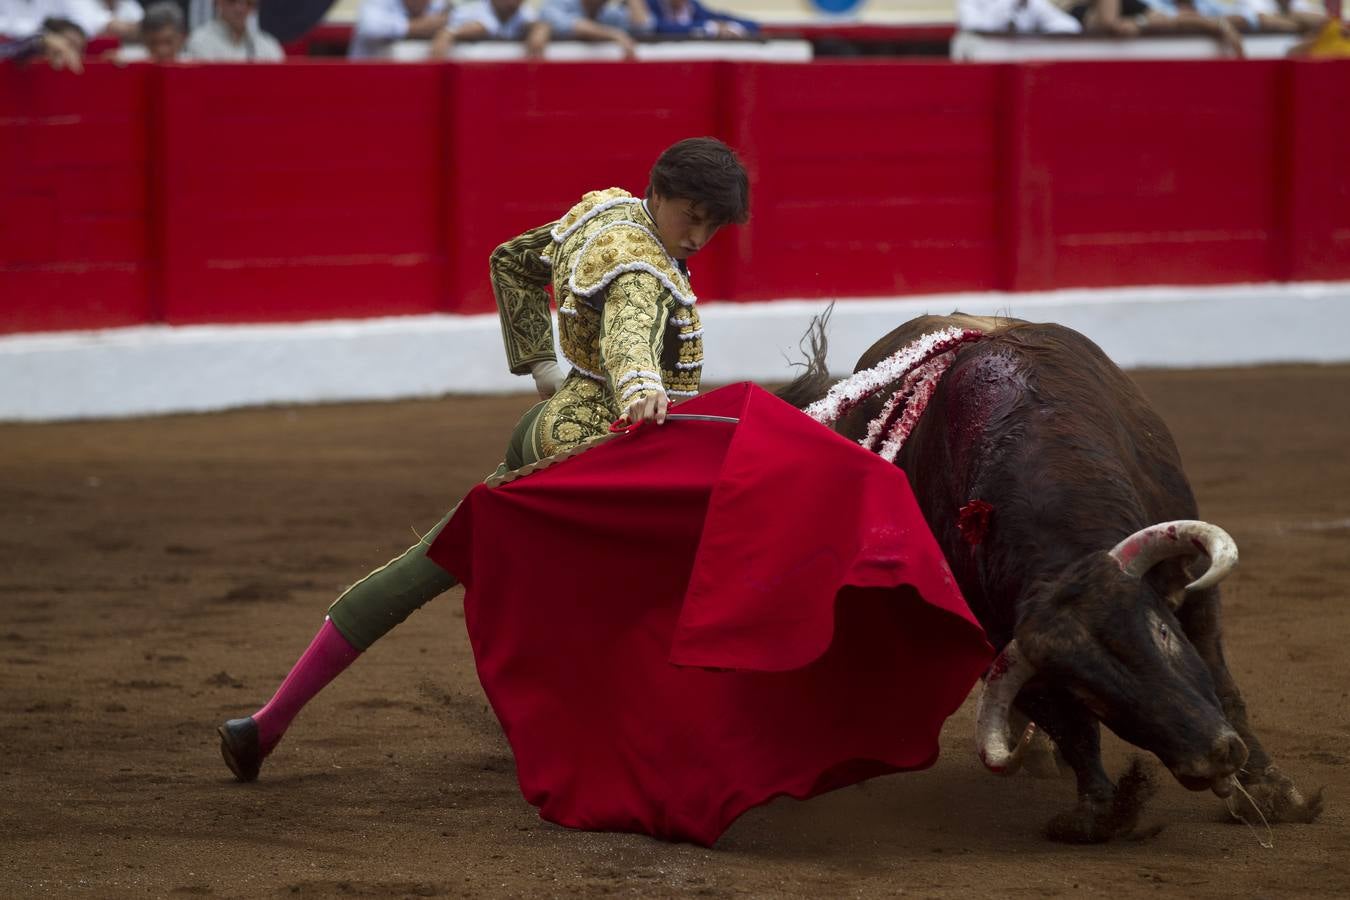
814	382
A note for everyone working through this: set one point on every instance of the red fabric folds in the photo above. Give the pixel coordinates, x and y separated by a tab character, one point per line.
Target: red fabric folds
685	622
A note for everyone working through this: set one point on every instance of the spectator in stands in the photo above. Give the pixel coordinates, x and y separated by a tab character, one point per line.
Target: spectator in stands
381	22
1282	16
599	20
1200	17
1192	17
1110	17
125	19
233	36
69	31
23	19
59	41
509	20
693	19
163	31
1021	16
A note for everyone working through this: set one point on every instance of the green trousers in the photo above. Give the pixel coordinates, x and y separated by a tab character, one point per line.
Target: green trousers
369	609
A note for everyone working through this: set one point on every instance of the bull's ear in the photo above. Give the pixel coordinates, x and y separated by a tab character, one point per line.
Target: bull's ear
1053	636
1170	578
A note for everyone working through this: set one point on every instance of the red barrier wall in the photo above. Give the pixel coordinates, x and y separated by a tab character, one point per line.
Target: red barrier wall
193	194
871	178
301	192
73	198
1165	175
1318	213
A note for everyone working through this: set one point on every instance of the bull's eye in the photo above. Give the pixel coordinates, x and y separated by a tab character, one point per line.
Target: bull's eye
1163	630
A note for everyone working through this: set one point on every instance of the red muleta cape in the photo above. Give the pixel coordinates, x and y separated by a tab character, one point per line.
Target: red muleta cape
689	620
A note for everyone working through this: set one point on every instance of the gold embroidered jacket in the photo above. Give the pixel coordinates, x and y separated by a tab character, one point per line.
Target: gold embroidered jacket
626	317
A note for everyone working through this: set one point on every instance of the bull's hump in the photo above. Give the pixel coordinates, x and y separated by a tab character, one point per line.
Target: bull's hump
981	387
990	325
917	328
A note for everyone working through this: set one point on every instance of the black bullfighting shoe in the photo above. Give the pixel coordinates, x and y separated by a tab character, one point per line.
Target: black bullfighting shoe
239	745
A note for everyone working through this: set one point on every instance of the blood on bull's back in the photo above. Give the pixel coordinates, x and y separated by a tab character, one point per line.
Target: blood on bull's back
1057	448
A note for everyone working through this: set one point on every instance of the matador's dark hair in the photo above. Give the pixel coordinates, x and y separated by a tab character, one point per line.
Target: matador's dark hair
707	171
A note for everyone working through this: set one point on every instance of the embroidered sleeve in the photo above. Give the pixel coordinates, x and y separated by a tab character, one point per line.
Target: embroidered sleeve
520	273
632	330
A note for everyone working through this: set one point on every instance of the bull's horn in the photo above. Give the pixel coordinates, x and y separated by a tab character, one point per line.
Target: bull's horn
1144	549
993	738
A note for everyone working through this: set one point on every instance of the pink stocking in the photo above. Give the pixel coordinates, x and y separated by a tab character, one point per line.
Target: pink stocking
325	658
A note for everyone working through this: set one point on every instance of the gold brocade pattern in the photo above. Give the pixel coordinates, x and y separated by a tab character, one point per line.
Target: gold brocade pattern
623	246
626	323
590	202
580	410
683	369
632	335
519	273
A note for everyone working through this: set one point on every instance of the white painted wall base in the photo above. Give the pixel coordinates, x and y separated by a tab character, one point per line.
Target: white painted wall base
159	369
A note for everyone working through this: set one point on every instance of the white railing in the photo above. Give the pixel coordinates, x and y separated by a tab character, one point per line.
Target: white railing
970	46
584	51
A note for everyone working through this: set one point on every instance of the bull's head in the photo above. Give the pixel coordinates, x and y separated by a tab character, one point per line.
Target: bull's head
1110	637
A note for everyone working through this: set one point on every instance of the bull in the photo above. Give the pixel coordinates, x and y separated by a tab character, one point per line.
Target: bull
1058	496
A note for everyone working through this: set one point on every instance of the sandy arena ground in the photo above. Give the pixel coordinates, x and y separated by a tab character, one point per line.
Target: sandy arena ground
158	576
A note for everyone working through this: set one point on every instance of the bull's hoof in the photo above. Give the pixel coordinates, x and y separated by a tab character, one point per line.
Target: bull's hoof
1275	796
1084	824
1094	822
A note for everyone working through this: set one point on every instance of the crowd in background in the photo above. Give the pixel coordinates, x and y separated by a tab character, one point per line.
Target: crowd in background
382	22
228	30
1224	20
61	29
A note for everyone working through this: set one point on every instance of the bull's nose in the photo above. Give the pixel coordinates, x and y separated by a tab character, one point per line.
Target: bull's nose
1228	753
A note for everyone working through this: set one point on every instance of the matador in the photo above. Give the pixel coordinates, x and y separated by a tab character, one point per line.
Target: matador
628	328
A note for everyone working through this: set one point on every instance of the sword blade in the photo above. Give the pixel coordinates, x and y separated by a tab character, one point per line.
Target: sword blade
699	417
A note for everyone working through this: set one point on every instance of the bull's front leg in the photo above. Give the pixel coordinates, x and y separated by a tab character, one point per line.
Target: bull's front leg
1273	792
1104	810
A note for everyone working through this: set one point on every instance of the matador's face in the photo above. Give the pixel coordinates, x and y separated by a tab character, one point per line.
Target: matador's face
683	225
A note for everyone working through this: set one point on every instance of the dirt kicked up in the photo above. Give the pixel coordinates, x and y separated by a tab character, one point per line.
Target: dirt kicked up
158	576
